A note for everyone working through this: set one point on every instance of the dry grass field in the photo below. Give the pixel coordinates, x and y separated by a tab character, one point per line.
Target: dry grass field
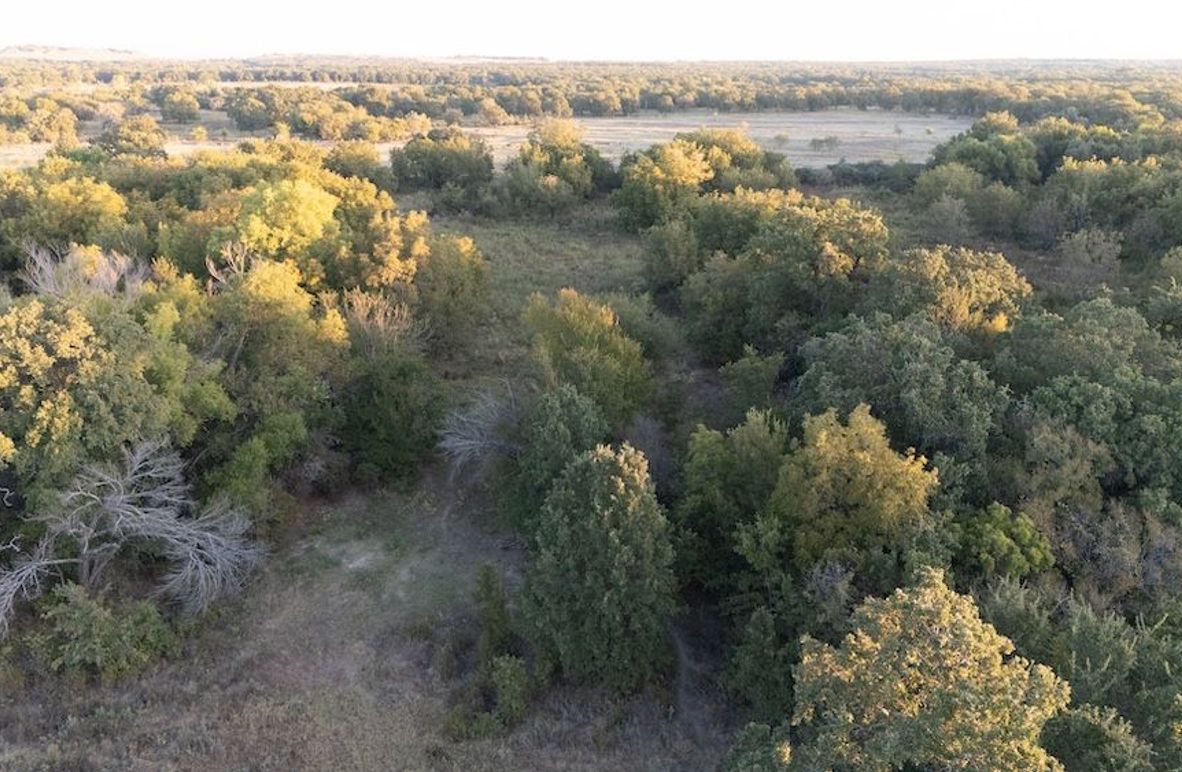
861	135
855	135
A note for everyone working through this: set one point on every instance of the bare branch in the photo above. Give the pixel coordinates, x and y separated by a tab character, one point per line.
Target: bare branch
25	579
210	556
482	429
142	500
380	325
81	272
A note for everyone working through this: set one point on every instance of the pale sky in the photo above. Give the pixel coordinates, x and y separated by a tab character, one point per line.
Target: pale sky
860	30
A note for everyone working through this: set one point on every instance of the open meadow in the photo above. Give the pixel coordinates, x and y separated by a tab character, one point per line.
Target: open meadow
807	139
812	139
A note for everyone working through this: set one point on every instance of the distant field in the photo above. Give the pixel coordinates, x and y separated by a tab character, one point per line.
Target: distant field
855	135
862	135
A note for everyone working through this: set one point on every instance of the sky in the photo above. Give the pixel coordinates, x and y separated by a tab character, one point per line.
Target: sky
629	30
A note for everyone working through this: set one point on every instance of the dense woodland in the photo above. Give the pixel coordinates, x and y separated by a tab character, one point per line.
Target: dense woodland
906	437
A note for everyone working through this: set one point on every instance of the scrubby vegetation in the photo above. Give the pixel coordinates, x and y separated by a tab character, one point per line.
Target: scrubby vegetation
882	458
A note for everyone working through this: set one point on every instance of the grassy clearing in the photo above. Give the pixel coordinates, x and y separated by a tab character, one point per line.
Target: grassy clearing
582	250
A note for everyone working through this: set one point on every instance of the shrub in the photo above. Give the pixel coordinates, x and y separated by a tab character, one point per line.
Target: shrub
86	635
558	427
946	221
390	414
760	667
600	590
1092	738
751	378
845	494
451	283
997	542
442	157
659	182
759	748
642	321
728	480
580	342
510	681
672	254
496	632
355	159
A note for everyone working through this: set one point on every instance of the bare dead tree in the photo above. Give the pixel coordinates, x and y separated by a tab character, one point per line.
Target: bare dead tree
26	578
73	273
482	429
210	556
379	324
142	500
236	259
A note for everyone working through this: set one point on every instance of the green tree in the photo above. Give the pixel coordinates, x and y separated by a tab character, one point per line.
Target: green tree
600	591
57	214
657	183
180	106
139	135
442	157
996	148
1092	738
922	680
284	220
579	341
555	169
728	481
961	289
929	397
78	390
451	287
560	425
843	493
951	179
996	542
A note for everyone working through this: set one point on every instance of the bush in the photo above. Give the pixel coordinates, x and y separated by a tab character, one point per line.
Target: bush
390	414
555	170
759	748
560	425
843	495
997	542
1092	738
580	342
452	284
672	254
498	696
642	321
87	636
659	182
751	378
496	631
760	667
357	159
442	157
600	590
728	479
510	681
922	682
947	221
